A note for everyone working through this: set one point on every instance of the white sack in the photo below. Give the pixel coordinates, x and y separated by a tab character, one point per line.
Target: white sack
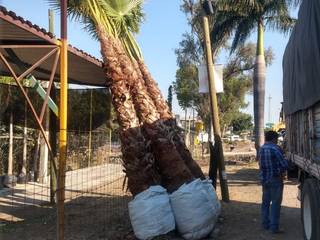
207	184
195	209
151	214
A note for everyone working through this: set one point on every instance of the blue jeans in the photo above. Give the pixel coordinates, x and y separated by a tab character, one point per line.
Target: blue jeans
271	195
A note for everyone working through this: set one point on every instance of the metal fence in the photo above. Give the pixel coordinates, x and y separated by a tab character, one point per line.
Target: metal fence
96	199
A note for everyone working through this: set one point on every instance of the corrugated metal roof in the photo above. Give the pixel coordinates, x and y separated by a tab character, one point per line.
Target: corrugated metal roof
83	68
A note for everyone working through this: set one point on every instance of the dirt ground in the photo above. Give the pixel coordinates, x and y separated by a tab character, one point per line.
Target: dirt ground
98	215
241	217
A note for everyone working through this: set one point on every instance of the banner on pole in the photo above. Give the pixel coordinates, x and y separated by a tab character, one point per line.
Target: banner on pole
203	78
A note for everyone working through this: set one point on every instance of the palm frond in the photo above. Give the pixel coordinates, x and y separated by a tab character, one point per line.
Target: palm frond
240	5
242	32
277	16
119	18
223	29
131	46
240	17
283	24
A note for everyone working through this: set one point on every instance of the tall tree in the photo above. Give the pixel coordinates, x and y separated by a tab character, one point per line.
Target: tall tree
241	17
169	99
165	116
238	73
105	23
185	85
242	122
113	22
4	95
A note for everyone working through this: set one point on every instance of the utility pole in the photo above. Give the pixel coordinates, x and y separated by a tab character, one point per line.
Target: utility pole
207	6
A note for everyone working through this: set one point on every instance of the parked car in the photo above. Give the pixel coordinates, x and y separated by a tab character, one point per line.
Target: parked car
234	138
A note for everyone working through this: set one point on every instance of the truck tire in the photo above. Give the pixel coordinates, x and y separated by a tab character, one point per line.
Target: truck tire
310	209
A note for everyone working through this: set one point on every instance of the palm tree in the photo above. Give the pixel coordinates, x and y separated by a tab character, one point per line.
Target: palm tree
241	17
134	52
99	19
112	22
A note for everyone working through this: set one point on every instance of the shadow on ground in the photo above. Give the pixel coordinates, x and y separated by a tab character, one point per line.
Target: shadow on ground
85	218
241	221
106	217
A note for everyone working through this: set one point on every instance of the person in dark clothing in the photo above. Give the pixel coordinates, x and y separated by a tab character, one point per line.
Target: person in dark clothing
273	166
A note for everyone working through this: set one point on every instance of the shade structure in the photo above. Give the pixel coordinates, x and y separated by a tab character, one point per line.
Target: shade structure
18	38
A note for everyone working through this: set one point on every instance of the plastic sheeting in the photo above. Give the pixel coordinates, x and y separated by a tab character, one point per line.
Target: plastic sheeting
301	62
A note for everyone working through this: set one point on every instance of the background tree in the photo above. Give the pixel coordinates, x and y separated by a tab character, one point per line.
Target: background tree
169	99
242	122
238	75
194	10
241	18
4	95
79	106
185	85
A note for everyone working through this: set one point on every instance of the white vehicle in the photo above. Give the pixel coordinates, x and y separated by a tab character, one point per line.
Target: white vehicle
301	92
234	138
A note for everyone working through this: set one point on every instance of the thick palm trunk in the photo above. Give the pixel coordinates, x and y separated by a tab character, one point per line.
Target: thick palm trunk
259	89
154	92
171	150
174	171
137	157
126	80
166	116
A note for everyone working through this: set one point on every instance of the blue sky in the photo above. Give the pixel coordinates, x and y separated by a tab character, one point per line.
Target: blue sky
159	36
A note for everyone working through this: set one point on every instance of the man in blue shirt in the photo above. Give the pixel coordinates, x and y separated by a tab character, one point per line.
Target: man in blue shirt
273	166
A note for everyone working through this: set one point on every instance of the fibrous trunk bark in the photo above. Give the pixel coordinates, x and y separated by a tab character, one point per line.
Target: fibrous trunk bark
259	89
164	149
134	107
154	92
138	160
166	116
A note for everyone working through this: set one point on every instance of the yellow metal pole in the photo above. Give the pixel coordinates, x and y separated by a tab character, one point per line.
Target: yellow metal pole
63	119
215	113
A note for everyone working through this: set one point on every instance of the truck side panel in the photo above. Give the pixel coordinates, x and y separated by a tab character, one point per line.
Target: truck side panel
303	139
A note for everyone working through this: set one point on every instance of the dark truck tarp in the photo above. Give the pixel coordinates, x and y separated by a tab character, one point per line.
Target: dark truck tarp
301	62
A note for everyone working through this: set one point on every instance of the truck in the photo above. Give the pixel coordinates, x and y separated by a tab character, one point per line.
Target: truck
301	96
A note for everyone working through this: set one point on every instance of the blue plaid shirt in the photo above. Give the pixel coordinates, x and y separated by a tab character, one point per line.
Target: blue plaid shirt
271	161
